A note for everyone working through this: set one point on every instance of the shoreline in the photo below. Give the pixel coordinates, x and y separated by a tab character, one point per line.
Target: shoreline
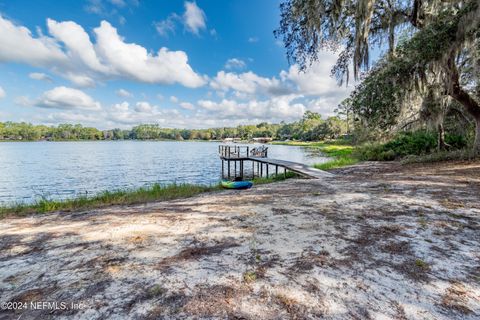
377	240
142	195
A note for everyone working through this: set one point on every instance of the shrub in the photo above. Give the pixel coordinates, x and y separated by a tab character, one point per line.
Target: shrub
408	143
456	141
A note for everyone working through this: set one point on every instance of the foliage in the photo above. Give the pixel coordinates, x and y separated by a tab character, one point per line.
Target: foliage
155	192
311	127
340	150
462	154
309	26
388	86
437	59
404	144
338	162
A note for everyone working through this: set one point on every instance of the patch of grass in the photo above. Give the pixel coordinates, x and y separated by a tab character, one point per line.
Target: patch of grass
249	276
273	178
156	290
314	143
155	192
422	222
340	150
421	264
336	163
337	150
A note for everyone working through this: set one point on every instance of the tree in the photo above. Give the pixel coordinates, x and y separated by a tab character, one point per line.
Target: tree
443	31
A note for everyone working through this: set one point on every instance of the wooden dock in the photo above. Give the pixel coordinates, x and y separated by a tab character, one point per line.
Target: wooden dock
260	163
298	168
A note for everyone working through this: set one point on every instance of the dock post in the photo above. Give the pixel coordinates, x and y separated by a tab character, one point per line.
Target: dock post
285	172
235	167
267	169
228	167
276	170
253	169
241	169
223	174
261	169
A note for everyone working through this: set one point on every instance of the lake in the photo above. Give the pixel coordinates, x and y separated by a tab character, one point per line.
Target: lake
60	170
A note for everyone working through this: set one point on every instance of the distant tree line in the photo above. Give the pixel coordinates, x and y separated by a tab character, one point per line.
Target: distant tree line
310	128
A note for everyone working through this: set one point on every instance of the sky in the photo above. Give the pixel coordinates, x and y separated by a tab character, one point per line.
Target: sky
179	64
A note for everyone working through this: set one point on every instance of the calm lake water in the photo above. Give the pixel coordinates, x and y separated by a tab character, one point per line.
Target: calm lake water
59	170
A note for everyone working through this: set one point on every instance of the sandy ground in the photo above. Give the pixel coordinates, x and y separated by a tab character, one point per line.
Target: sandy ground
376	241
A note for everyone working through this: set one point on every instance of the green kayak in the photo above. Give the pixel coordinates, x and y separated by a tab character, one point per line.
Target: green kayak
227	184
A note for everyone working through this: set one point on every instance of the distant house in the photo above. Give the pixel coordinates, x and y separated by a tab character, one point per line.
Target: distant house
262	139
231	140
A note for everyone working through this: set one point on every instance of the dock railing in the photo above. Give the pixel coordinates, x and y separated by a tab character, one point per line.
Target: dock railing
241	152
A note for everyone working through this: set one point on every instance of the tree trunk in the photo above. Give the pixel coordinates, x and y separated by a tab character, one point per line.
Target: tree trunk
476	144
441	138
458	93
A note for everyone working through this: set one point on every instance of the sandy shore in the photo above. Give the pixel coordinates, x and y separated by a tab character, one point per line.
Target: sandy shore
376	241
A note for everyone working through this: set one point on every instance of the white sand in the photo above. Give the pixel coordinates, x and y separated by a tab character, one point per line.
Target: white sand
376	241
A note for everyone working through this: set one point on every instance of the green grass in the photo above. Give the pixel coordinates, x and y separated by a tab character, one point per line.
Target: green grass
155	192
273	178
336	163
341	152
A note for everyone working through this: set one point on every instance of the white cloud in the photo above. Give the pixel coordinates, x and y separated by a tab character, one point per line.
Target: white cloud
194	18
40	76
187	105
18	45
143	107
23	101
2	93
94	6
80	80
84	62
143	112
133	61
75	117
318	90
272	110
118	3
77	42
214	33
167	26
67	98
316	80
173	99
247	83
123	93
253	39
235	63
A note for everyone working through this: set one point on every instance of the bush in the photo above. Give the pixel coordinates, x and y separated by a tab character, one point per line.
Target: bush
456	141
409	143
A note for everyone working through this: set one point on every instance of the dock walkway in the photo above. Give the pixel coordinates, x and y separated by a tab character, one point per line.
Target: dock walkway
299	168
259	156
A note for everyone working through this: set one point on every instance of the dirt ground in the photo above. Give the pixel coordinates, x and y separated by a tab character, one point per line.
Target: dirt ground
374	241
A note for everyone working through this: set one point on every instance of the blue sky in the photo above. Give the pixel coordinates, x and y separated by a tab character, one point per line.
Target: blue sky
118	63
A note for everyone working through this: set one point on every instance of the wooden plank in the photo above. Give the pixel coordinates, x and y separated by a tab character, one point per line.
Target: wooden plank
298	168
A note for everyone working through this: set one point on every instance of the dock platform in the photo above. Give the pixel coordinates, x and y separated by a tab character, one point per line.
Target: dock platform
260	161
